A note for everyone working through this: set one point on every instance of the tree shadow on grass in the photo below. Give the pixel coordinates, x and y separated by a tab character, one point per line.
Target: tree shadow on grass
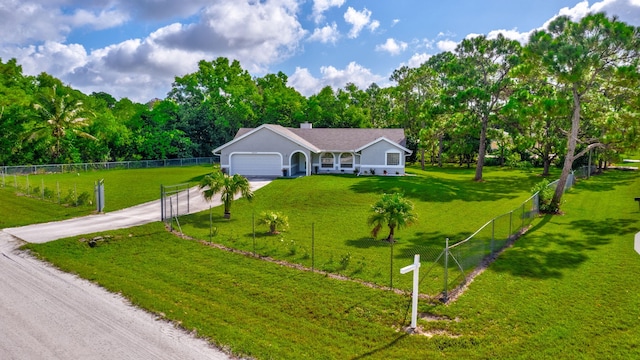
546	255
441	190
607	181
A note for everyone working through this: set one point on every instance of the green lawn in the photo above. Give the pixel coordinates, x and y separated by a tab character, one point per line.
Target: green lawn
567	289
330	213
123	188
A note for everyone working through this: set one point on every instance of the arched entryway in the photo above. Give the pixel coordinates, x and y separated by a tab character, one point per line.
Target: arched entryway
299	164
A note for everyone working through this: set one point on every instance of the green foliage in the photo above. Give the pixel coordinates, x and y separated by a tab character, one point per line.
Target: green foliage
227	186
545	195
394	211
274	220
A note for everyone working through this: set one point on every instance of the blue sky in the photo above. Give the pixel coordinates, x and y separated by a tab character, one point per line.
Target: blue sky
135	48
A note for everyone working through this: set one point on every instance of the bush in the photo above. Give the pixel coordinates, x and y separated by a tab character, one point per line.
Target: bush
545	195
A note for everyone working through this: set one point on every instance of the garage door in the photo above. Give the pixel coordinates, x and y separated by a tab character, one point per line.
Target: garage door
256	165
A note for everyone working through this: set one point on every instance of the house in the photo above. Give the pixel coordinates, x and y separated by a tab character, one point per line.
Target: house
274	150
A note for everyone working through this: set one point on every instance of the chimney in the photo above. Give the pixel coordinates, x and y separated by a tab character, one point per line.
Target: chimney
306	125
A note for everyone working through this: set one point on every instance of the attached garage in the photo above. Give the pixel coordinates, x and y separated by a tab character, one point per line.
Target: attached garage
256	164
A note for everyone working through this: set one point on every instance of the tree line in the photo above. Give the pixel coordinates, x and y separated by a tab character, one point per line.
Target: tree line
572	89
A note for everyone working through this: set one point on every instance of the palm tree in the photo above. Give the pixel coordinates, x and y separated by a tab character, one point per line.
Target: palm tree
228	187
394	211
273	219
59	114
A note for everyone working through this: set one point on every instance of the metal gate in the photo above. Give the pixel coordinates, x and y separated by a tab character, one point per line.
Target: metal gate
174	200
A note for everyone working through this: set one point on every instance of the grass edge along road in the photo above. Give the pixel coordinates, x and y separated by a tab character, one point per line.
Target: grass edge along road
120	191
567	289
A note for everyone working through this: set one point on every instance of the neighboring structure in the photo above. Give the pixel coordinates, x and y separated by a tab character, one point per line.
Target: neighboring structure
273	150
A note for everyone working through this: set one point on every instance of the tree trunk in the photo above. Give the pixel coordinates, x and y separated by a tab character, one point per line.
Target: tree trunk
422	159
391	233
546	161
571	150
482	148
440	149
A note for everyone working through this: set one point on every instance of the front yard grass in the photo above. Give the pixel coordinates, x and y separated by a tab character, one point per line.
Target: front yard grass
567	289
123	188
328	220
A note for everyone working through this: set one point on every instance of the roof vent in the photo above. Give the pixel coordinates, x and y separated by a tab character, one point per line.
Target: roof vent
306	125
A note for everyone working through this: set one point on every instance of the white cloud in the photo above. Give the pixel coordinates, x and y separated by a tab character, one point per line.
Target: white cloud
257	34
307	84
374	25
522	37
27	21
102	20
326	34
627	11
395	22
359	20
446	45
304	82
416	60
392	46
320	6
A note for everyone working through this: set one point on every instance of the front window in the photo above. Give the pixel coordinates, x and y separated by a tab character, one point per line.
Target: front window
326	161
346	160
393	159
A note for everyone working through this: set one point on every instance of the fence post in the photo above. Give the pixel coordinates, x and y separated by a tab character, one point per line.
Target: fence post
162	211
446	269
170	213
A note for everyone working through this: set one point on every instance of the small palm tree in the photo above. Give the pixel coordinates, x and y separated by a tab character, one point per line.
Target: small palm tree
228	187
394	211
273	219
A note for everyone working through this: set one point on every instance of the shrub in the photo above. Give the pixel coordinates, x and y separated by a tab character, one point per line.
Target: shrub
545	195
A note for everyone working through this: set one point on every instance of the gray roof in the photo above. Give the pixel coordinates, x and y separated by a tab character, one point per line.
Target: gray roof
329	139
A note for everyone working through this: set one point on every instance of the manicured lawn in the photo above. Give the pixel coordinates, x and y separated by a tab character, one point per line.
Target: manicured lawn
330	213
567	289
123	188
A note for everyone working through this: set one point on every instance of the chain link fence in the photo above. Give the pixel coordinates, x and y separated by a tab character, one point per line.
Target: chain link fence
83	167
446	265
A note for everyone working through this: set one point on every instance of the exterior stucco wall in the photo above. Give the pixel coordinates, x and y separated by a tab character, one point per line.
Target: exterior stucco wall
374	158
262	141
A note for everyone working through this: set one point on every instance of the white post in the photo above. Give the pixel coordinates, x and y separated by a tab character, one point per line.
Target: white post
416	280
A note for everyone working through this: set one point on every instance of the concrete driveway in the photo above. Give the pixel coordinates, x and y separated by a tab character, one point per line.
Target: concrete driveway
130	217
49	314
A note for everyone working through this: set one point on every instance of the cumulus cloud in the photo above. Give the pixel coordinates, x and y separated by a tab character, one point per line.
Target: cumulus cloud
627	11
392	46
359	20
103	19
416	60
255	33
326	34
446	45
320	6
303	81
